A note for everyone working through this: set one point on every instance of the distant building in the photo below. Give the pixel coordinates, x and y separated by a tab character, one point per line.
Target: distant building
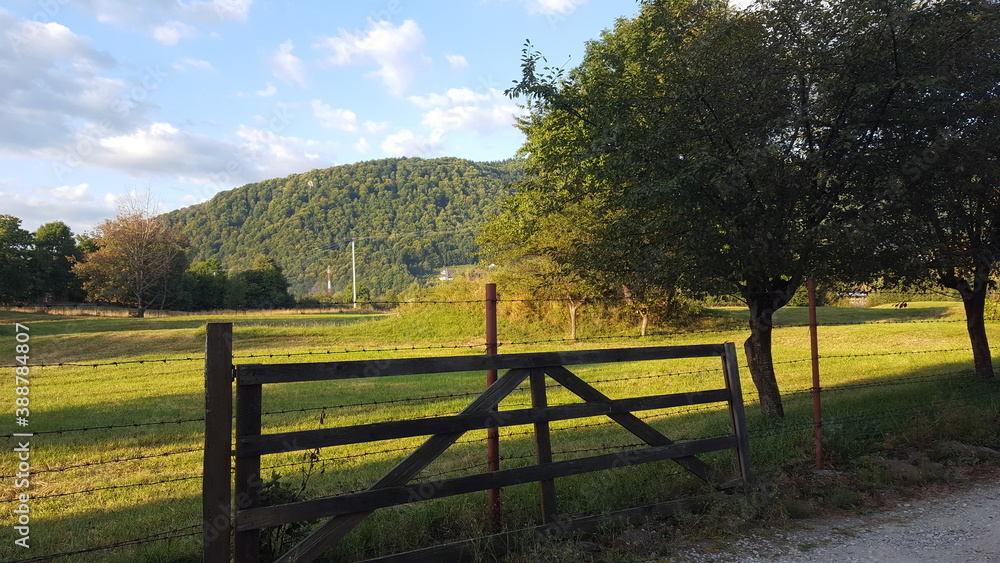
447	275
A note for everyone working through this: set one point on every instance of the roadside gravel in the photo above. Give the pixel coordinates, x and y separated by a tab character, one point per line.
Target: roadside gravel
963	526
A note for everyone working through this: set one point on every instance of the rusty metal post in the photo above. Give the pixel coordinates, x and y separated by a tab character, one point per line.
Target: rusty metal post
814	344
492	434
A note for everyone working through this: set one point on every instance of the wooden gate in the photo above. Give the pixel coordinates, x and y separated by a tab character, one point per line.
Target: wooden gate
346	511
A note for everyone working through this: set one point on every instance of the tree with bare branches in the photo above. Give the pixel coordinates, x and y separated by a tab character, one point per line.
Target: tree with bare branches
138	258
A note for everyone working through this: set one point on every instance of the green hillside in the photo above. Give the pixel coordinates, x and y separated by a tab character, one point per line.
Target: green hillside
410	217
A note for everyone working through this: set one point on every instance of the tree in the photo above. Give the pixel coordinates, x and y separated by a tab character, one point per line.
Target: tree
203	286
947	208
55	252
534	247
16	281
739	144
263	286
138	259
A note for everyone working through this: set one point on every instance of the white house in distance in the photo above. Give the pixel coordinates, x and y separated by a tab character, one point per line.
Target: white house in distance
447	275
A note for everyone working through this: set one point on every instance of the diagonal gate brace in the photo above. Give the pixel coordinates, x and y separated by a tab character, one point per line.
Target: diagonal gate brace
339	526
629	421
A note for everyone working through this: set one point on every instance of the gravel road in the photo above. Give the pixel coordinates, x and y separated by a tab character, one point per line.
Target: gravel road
962	526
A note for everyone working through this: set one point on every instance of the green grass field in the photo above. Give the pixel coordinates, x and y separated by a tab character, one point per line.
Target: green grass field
116	454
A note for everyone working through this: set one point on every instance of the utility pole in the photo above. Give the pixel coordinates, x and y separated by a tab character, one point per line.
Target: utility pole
329	283
354	275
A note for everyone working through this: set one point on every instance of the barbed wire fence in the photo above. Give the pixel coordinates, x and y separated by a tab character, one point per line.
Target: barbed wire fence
164	454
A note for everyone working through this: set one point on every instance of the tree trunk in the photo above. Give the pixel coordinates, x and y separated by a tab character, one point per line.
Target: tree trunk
758	347
573	306
974	300
645	323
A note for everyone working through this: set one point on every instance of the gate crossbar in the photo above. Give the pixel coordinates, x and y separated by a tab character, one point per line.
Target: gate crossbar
394	488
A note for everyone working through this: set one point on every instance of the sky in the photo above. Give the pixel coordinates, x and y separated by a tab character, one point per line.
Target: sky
186	98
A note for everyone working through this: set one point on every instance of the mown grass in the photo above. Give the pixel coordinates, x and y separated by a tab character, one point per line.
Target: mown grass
875	387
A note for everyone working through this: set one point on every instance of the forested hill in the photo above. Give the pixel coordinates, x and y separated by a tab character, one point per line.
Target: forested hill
411	217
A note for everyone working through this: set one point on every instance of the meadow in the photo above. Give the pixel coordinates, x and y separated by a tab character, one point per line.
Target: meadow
117	405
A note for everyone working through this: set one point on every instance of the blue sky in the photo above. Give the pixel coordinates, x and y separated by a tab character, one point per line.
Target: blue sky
186	98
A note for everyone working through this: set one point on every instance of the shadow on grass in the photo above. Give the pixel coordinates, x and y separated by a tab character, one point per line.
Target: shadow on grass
797	316
858	416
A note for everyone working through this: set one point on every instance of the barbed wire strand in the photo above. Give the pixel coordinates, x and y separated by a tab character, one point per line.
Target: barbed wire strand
111	488
176	533
110	461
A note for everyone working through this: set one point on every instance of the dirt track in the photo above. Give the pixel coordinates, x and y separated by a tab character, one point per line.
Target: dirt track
960	526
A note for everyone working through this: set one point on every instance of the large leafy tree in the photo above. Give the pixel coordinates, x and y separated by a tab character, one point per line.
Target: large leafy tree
55	252
16	280
741	145
534	248
946	213
138	260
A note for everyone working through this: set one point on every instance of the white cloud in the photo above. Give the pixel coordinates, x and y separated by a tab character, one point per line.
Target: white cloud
480	120
192	199
286	66
342	119
553	7
453	96
362	146
393	49
269	155
54	87
165	20
407	143
268	91
38	205
217	11
76	193
457	62
161	149
462	109
172	32
376	126
193	63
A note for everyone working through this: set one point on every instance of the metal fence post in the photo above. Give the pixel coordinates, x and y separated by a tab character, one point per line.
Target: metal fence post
492	434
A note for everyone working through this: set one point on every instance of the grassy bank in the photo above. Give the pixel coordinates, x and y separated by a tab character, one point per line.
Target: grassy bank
117	417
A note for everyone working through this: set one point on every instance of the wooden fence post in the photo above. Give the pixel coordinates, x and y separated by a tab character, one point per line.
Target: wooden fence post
216	493
737	415
248	481
543	445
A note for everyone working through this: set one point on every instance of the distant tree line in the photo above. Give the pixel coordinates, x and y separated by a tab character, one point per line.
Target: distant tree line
38	266
133	260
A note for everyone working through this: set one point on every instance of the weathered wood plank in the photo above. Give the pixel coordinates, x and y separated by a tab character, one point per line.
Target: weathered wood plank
248	482
543	446
368	501
630	422
326	437
737	414
253	374
336	528
216	484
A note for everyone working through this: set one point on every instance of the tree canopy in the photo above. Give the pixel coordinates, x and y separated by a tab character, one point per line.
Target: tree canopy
731	151
138	260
